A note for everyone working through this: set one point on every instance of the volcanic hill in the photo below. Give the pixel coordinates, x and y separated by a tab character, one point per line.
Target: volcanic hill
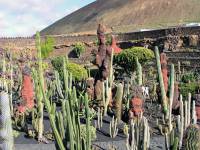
126	16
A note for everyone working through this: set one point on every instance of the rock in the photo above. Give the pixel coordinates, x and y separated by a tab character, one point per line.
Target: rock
193	40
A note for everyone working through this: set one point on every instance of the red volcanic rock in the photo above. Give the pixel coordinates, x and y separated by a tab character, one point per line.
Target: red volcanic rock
114	46
137	106
21	109
27	92
198	112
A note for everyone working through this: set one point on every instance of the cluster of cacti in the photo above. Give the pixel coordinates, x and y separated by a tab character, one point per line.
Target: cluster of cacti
72	104
139	135
113	128
68	120
173	133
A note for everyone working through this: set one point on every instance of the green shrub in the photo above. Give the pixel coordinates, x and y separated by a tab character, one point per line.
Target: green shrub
57	63
186	88
191	76
47	46
78	72
79	48
127	58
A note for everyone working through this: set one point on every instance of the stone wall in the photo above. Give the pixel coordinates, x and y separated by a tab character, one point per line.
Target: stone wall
192	34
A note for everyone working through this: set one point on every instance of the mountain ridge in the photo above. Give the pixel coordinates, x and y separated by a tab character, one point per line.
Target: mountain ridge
126	16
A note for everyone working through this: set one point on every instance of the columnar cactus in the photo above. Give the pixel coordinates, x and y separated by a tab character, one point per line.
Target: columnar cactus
181	126
113	128
136	140
6	132
171	96
118	101
194	116
162	85
44	96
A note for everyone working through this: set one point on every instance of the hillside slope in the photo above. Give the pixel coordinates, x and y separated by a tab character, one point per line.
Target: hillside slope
127	15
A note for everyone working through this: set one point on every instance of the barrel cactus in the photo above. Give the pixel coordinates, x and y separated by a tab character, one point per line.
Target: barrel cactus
191	138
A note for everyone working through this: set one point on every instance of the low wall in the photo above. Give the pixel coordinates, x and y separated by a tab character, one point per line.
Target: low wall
21	43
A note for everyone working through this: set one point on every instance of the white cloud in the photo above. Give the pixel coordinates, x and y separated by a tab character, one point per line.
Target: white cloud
25	17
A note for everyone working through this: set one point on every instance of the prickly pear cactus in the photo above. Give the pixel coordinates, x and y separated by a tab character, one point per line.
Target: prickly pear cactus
6	135
192	138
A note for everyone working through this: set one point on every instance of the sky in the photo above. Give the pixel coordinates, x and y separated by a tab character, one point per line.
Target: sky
25	17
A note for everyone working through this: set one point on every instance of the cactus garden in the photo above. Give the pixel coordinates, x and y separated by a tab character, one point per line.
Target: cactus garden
131	99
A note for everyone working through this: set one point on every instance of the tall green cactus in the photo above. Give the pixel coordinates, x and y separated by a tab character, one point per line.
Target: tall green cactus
87	110
181	126
58	85
38	122
162	87
6	132
46	101
171	96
